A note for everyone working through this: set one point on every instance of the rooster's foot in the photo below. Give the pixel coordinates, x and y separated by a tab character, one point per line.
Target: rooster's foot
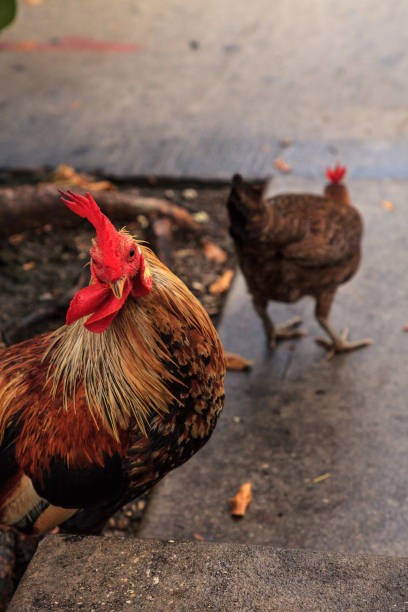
340	344
287	331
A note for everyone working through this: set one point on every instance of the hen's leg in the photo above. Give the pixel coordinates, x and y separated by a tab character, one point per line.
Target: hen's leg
285	331
338	342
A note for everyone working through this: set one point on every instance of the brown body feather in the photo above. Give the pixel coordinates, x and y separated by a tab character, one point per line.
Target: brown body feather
89	421
301	245
293	245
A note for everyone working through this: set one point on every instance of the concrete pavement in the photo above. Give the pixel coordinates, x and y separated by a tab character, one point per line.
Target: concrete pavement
69	573
205	89
296	417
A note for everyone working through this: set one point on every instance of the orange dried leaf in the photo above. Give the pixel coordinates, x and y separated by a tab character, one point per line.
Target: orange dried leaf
237	362
240	501
213	251
222	283
29	265
282	165
201	216
63	172
65	175
99	185
198	537
320	478
387	205
15	239
76	104
285	142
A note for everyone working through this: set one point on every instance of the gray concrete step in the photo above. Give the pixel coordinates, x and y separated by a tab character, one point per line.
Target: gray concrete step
296	417
205	89
114	574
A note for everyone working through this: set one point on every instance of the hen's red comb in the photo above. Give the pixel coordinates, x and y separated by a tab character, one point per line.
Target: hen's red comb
336	174
107	236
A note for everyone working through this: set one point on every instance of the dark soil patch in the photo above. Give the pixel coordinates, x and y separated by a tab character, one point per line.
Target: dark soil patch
38	267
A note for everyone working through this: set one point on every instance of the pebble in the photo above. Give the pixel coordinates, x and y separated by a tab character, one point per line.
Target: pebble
190	194
170	194
201	216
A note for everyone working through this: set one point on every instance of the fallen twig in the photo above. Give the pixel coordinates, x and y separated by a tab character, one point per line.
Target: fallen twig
28	206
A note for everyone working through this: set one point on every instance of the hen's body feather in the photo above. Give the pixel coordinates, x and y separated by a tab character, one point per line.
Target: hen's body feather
299	244
293	245
90	421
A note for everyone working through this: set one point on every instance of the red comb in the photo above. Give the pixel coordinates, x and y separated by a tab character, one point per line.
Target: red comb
85	207
336	174
107	236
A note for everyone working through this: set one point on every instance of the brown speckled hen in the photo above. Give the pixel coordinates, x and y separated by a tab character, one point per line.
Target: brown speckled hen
96	413
295	244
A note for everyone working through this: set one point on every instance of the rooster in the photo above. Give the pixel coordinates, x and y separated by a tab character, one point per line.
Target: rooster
294	245
97	412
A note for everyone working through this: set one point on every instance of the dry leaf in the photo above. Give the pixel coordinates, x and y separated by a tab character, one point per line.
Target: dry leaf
320	478
405	328
213	251
15	239
282	165
190	194
201	216
45	296
76	104
387	205
237	362
198	537
185	252
222	283
285	142
65	175
197	286
240	502
29	265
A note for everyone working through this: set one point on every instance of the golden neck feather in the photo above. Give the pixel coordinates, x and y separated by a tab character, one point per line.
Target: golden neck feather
122	371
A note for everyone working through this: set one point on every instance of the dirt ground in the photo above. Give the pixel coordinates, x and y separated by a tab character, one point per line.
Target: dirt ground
39	266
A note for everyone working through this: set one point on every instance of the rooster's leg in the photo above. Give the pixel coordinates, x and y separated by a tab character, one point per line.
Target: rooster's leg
338	343
284	332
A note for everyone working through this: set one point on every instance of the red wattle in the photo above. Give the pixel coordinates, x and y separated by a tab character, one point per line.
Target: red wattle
96	300
107	310
87	301
99	326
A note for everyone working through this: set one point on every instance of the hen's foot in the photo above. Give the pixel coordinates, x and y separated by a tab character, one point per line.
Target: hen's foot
340	344
286	331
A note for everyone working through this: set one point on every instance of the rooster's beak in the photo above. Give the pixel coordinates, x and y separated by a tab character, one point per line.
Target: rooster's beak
117	287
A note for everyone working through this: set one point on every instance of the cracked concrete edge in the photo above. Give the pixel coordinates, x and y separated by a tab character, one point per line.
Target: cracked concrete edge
93	573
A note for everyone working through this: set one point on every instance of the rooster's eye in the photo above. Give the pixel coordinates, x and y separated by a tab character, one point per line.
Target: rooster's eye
132	253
